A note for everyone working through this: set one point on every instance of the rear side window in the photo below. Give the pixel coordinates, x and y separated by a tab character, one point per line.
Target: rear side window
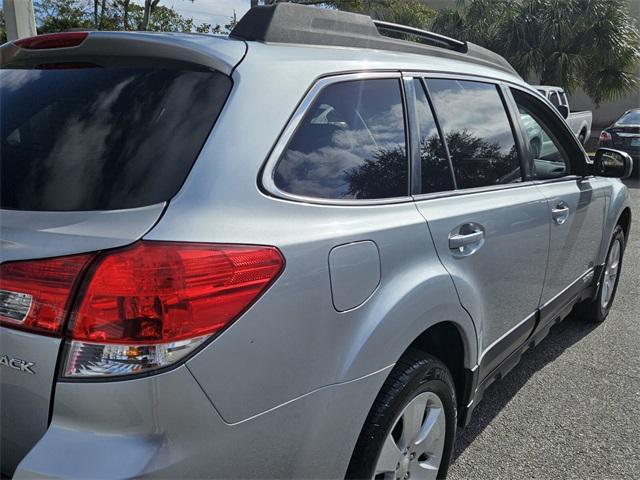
349	145
102	138
435	169
477	132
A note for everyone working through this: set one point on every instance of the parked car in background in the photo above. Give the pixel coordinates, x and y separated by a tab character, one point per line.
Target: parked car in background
624	134
201	280
580	122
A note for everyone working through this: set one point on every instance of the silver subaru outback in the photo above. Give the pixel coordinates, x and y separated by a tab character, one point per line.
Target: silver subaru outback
304	250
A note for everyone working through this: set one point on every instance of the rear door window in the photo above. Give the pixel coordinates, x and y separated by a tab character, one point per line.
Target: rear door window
477	131
102	138
349	145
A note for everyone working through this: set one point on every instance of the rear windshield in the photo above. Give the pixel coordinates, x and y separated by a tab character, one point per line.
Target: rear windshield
102	138
630	118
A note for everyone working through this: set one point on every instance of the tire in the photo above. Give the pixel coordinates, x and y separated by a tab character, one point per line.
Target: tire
417	379
597	309
582	137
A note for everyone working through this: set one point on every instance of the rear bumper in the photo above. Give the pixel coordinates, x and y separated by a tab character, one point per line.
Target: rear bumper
25	393
164	426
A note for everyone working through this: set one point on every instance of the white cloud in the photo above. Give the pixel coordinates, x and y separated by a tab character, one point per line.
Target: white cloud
208	11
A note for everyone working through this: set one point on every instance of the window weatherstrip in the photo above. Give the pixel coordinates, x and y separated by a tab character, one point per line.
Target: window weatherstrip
443	139
518	130
413	136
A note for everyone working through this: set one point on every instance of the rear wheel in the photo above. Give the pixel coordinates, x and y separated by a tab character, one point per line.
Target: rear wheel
411	427
598	309
582	137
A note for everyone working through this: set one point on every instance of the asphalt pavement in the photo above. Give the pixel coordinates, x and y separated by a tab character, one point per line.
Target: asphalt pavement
571	408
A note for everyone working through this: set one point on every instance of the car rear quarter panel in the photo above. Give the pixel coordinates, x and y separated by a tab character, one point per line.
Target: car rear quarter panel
164	426
293	341
25	396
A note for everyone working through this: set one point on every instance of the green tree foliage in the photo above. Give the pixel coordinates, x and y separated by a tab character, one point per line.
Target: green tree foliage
385	172
593	44
60	15
3	28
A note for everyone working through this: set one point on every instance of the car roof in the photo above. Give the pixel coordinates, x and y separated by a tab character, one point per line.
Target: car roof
317	61
293	24
209	51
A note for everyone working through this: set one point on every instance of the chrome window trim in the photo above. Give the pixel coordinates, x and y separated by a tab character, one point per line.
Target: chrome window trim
473	77
267	177
494	188
470	191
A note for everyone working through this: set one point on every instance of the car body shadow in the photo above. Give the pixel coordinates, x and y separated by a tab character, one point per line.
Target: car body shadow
498	395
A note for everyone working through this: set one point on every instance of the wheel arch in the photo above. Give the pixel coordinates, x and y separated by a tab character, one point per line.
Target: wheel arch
624	220
447	342
618	213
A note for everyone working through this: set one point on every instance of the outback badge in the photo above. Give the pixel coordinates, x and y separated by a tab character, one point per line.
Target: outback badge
17	364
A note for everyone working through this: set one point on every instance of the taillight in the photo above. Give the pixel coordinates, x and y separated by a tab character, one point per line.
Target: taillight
149	305
35	295
52	40
605	136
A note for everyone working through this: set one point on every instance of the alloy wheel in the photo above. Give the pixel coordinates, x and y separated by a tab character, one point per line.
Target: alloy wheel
611	272
413	448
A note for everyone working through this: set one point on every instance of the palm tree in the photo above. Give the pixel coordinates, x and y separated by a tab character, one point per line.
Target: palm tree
591	44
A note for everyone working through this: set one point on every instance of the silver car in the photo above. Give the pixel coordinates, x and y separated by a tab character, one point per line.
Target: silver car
304	250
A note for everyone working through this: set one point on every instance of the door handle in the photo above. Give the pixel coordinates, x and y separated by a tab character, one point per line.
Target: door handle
560	213
459	240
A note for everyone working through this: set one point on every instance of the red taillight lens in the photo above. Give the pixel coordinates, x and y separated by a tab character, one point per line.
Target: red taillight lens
35	294
605	136
157	292
52	40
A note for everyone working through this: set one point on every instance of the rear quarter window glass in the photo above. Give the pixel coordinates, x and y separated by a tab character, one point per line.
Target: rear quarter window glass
477	132
102	138
350	144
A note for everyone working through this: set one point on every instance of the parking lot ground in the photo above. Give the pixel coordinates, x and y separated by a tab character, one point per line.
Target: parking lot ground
571	408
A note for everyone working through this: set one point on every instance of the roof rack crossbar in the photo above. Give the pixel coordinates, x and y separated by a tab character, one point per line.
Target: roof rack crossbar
433	38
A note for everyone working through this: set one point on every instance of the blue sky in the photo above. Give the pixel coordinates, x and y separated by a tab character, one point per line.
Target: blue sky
202	11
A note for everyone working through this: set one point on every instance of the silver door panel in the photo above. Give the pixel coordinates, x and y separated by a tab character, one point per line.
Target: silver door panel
499	273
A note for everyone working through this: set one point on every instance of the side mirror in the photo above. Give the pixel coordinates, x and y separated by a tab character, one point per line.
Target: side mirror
564	111
612	163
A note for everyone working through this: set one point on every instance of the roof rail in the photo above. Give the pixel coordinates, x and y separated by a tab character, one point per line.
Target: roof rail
431	38
300	24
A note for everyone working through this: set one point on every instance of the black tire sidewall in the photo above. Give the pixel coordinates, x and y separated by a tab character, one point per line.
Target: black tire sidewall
426	374
618	235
